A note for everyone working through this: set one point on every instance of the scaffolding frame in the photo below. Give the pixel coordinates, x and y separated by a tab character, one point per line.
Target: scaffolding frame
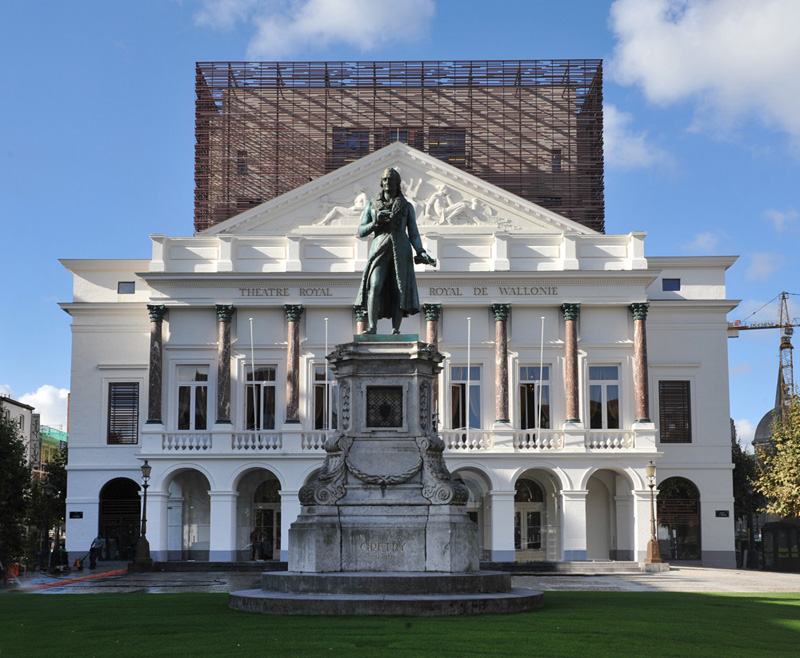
532	127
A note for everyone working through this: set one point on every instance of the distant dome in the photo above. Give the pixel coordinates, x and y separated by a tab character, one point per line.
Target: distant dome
764	429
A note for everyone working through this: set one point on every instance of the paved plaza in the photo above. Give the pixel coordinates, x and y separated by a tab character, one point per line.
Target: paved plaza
114	578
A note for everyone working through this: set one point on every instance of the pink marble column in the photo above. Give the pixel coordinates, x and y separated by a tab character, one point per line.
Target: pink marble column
501	312
432	313
293	314
157	314
571	312
224	316
361	319
640	377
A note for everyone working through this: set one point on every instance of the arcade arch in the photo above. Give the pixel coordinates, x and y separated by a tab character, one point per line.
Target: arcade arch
258	516
679	519
188	516
120	518
537	531
609	516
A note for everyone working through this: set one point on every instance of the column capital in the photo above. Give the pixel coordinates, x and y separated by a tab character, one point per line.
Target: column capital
360	312
432	312
225	312
293	312
571	311
639	310
157	312
501	312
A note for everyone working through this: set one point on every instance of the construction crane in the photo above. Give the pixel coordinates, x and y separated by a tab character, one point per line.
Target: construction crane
786	325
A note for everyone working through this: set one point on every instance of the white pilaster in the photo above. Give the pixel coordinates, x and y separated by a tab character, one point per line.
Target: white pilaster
290	510
502	545
222	546
573	524
641	522
157	524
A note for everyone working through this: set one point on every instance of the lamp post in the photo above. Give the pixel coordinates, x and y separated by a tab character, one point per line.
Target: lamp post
49	491
752	558
653	551
142	558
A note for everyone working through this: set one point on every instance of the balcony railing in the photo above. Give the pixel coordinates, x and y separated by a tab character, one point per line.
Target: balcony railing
312	442
539	440
609	440
460	440
256	441
186	441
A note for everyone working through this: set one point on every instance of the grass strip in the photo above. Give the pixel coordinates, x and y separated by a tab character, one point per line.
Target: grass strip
593	624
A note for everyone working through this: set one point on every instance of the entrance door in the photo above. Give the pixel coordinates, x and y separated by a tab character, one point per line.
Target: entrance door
527	528
267	519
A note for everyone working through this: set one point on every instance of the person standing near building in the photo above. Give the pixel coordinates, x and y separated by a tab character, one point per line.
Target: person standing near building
96	550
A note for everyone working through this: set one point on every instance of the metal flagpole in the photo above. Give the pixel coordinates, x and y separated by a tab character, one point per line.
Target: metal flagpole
469	367
539	397
253	376
327	406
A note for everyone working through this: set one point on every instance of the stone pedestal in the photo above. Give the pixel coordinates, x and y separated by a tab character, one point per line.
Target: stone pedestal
384	500
383	528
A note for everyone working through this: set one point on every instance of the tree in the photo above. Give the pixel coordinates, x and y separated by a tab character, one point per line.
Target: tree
15	484
779	477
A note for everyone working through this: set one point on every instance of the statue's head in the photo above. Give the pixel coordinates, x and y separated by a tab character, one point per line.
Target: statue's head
390	182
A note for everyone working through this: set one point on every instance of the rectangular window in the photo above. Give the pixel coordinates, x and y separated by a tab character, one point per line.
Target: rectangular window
532	407
674	412
326	399
192	397
260	398
670	284
459	400
348	145
241	163
555	159
123	413
412	136
603	397
448	144
126	287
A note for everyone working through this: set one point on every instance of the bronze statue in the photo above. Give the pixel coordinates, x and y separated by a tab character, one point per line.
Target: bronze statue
388	286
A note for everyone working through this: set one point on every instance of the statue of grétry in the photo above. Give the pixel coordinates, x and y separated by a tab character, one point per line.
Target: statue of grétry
388	285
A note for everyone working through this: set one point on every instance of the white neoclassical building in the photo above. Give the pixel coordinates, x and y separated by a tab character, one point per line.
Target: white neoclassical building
571	361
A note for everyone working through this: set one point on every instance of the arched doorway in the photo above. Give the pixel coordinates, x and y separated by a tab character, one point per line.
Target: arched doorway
679	519
609	517
120	519
529	520
188	517
258	527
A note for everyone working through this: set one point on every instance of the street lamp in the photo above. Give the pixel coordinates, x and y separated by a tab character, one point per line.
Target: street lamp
142	557
752	558
49	492
653	551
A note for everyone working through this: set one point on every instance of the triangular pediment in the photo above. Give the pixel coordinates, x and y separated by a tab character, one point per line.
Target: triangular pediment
447	200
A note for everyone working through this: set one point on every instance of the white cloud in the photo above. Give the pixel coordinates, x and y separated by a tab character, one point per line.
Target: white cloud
763	265
740	369
298	26
224	14
51	403
706	242
6	391
745	431
625	148
782	221
737	59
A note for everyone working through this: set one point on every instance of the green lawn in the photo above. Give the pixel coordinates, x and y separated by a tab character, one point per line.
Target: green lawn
585	624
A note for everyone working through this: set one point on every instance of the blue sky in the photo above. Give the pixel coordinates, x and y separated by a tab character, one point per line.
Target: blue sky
97	135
